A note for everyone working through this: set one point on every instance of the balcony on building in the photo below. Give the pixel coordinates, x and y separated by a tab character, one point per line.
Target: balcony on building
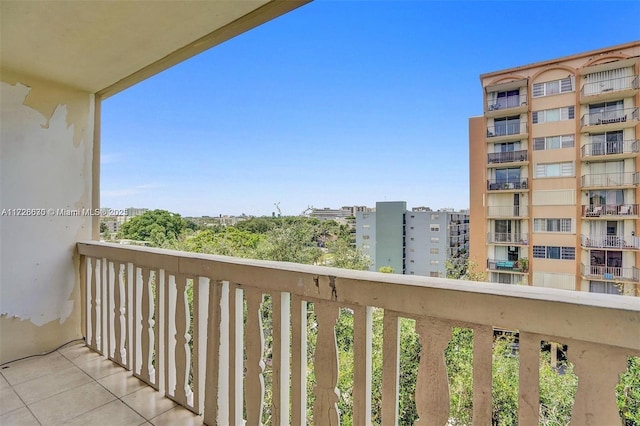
507	211
609	88
610	149
621	242
506	98
508	238
508	130
611	180
604	119
610	211
504	265
610	273
189	327
520	157
511	185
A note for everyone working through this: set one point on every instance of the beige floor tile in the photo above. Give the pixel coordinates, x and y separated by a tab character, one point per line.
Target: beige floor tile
67	405
112	414
122	383
19	417
3	383
148	402
52	384
9	400
177	416
100	367
79	354
28	369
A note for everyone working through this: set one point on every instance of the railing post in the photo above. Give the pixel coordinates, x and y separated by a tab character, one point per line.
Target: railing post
390	368
529	380
325	409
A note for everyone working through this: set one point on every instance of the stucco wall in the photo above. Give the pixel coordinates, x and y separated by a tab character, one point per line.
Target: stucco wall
46	163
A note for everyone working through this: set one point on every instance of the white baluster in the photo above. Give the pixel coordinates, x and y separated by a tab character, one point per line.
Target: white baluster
254	340
325	409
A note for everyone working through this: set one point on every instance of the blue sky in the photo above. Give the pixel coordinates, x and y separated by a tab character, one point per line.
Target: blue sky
336	103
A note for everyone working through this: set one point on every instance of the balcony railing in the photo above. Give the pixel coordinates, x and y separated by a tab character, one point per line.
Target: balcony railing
507	184
610	179
609	148
507	157
609	117
611	85
606	210
507	238
191	326
506	102
628	242
506	265
507	129
507	211
613	273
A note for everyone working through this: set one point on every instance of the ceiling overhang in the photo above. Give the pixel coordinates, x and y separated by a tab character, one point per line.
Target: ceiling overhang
105	47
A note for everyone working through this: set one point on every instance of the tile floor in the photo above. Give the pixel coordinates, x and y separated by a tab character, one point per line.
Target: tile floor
75	386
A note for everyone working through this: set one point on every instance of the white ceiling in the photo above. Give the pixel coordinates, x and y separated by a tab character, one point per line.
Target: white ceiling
106	46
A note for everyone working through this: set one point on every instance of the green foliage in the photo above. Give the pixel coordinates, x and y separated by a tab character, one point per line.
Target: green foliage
159	227
228	241
464	269
628	393
292	243
343	255
103	227
386	270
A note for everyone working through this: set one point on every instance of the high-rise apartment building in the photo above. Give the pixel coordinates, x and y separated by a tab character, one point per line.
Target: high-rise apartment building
554	173
415	242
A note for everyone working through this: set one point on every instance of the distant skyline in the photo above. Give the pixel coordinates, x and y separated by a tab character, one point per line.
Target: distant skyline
333	104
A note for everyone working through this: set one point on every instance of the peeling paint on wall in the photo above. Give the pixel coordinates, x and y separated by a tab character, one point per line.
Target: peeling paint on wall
46	156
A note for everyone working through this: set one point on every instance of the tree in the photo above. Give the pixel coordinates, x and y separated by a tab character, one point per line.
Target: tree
344	255
386	270
158	227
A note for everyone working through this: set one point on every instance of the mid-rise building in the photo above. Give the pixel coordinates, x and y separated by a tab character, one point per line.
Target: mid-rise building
554	173
415	242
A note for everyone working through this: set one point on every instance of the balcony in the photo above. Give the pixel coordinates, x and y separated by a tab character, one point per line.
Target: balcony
507	211
507	238
610	149
520	156
517	185
499	106
510	131
611	120
507	265
610	180
210	357
614	88
622	242
606	211
610	273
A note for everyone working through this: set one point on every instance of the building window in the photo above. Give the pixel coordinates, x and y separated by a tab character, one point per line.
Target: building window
365	237
506	126
434	274
606	288
366	246
554	142
435	216
553	87
434	250
434	262
555	114
553	252
435	239
434	227
552	225
366	226
546	170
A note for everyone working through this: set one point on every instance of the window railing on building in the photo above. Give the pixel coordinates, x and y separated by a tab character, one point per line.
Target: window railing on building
604	210
609	117
507	238
507	265
507	129
507	211
610	85
609	148
596	180
628	242
505	102
612	273
507	157
507	184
